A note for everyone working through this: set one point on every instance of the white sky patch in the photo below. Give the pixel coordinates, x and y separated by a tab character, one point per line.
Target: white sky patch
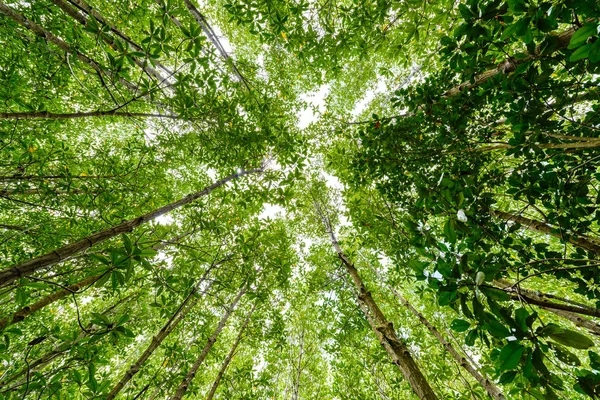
332	181
211	172
370	94
315	100
165	220
271	211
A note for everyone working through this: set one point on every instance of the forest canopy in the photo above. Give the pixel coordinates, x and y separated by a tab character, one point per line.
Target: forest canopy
299	199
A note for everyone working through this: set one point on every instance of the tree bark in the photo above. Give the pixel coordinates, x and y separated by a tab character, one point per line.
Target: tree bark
510	65
57	256
229	357
576	319
209	344
540	227
396	349
188	303
38	30
86	8
484	381
144	65
110	113
26	311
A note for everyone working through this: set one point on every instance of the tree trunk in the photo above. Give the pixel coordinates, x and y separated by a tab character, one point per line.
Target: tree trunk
38	30
510	65
489	386
540	227
57	256
229	357
26	311
212	36
84	7
60	349
188	303
144	65
576	319
110	113
396	349
209	344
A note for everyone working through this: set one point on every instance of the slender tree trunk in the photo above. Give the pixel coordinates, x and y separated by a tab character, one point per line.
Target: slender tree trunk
396	348
209	344
60	349
540	227
143	65
296	392
212	36
510	65
229	357
26	311
488	385
188	303
38	30
110	113
84	7
516	295
576	319
57	256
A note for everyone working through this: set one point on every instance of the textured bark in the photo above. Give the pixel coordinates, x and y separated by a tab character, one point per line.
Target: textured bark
510	65
110	113
576	319
59	350
396	349
24	312
540	227
517	295
209	344
108	39
212	36
184	308
229	357
86	8
38	30
489	386
57	256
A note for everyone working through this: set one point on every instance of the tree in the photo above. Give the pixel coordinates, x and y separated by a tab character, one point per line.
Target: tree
299	200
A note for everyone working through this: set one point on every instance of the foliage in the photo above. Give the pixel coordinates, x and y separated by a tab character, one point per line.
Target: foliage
469	190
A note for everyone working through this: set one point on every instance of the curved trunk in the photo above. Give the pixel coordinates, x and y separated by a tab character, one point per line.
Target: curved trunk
57	256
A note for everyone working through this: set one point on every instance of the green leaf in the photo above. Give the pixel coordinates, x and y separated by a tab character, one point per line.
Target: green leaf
495	294
572	339
510	355
521	315
497	329
449	231
582	34
507	377
565	355
581	53
127	243
460	325
594	52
